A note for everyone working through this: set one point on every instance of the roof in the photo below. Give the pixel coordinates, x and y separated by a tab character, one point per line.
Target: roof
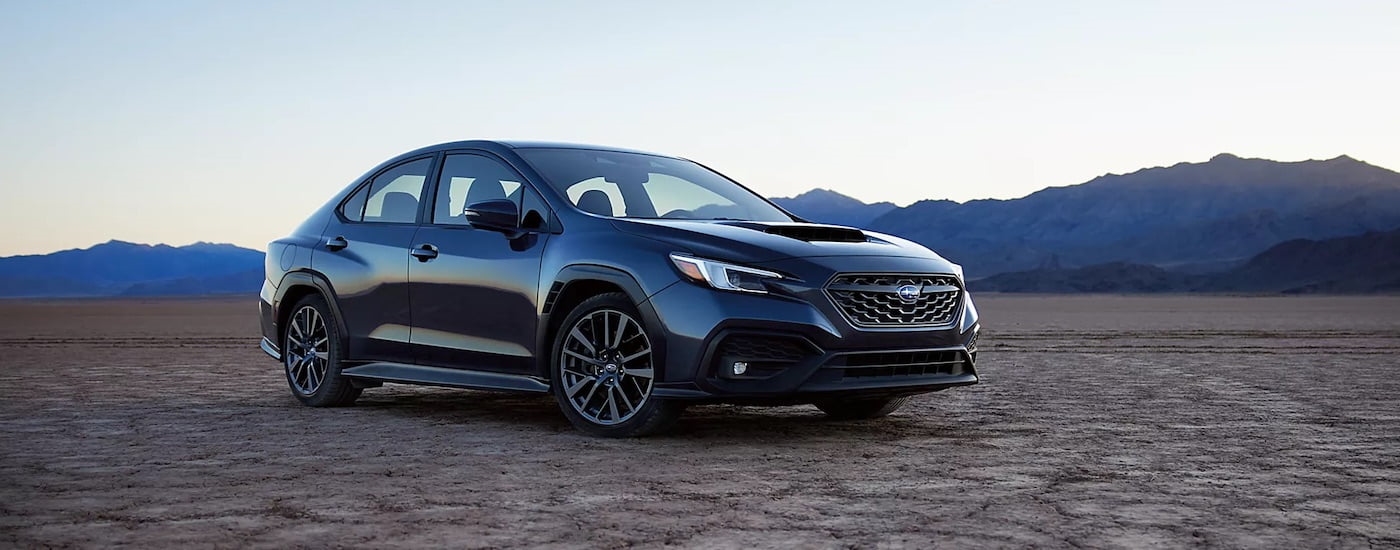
526	144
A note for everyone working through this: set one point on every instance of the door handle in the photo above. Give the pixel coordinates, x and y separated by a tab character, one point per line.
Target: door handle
336	243
424	252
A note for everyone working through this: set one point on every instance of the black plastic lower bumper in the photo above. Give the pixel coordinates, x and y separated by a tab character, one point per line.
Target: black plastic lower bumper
793	350
790	368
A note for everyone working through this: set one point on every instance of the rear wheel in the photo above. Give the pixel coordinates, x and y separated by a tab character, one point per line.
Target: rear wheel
605	368
861	409
311	352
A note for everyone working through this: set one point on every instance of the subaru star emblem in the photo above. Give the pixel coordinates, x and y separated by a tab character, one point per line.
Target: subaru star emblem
908	293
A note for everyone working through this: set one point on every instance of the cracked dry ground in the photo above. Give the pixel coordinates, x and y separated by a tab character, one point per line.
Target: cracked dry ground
1101	422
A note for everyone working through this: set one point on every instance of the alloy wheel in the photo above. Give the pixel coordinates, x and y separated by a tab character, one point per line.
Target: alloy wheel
307	356
606	366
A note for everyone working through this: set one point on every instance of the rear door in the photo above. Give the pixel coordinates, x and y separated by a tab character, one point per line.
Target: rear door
475	302
365	254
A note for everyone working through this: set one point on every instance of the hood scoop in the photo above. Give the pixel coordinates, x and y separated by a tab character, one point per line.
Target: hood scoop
817	233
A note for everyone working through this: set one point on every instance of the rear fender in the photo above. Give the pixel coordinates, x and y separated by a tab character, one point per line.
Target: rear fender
302	279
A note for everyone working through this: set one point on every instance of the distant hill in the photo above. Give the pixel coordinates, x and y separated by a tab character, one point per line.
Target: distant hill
1363	263
1113	277
243	282
1213	213
826	206
123	268
1359	264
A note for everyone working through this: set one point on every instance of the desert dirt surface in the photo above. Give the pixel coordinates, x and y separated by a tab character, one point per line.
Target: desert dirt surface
1100	422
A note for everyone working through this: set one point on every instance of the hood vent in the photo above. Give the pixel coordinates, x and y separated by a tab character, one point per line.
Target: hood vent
818	233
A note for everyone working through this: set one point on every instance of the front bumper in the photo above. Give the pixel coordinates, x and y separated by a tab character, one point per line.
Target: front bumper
799	350
270	349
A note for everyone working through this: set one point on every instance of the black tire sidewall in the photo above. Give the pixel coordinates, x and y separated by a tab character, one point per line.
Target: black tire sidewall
335	389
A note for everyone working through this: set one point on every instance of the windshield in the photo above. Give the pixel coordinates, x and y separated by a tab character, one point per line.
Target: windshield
633	185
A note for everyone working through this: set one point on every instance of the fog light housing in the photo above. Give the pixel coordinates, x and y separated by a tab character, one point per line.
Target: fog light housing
739	368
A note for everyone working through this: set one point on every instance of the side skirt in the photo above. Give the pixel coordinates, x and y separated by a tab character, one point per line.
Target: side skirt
438	376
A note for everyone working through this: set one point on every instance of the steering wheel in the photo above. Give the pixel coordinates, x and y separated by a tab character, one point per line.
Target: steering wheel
677	213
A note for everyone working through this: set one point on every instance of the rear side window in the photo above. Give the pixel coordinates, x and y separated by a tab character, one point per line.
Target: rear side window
394	194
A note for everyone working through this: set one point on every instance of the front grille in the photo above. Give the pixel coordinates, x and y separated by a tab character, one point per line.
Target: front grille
874	300
903	363
754	347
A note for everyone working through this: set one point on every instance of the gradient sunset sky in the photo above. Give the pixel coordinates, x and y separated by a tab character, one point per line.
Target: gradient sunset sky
182	121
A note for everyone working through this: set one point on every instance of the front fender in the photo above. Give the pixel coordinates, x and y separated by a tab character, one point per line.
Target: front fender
580	273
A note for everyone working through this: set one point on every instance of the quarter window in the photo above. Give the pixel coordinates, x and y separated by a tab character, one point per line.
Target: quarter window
354	207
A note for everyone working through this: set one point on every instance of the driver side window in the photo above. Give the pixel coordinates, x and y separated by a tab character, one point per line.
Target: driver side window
468	179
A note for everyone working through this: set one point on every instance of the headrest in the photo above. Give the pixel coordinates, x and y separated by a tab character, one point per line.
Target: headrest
399	207
596	202
485	189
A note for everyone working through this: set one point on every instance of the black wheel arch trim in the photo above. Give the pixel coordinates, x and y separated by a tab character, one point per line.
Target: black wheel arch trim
593	272
306	278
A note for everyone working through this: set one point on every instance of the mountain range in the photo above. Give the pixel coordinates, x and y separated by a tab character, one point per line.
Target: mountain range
1359	264
1230	224
827	206
118	268
1201	217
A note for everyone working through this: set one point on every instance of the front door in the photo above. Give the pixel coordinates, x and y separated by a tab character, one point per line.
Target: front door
475	294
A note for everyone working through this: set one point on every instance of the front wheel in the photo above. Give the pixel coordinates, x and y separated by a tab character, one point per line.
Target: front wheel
861	409
604	369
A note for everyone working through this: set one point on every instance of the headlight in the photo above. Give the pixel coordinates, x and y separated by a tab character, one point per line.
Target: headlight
722	275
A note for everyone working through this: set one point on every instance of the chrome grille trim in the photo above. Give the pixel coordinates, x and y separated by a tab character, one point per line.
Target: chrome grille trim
871	300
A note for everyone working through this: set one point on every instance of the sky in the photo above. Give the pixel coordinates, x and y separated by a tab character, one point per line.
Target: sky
184	121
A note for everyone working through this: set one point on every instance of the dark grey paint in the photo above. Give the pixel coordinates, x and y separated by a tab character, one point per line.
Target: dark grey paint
479	301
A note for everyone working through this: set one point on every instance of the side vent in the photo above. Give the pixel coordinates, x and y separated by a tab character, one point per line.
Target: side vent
818	233
553	295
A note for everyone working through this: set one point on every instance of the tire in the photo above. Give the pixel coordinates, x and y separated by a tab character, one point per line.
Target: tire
312	347
603	370
861	409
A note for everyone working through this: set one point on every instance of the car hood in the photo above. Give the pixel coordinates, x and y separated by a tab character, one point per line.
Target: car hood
758	242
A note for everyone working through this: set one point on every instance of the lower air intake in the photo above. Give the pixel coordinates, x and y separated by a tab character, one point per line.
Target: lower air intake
903	363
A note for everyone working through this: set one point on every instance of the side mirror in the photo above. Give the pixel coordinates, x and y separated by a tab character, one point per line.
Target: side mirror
494	215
